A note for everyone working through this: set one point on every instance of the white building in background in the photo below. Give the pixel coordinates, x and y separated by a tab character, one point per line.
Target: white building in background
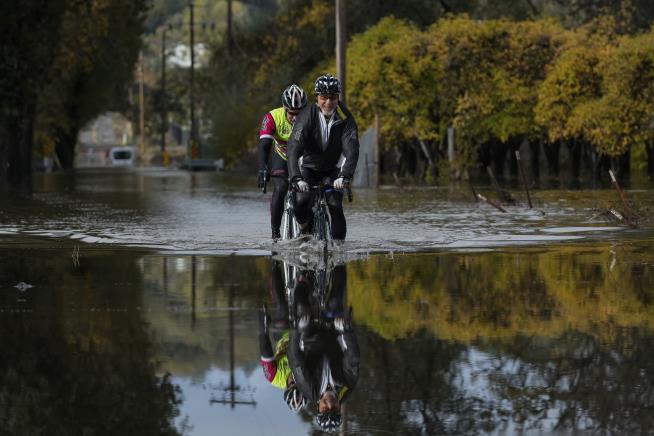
98	137
181	56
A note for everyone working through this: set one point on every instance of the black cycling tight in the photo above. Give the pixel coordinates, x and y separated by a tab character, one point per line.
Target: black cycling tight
277	201
303	212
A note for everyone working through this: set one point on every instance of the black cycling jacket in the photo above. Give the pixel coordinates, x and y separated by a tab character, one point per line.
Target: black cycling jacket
342	351
306	142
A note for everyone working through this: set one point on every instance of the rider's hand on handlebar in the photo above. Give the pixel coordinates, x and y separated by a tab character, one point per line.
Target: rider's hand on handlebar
344	324
339	325
301	185
341	183
262	177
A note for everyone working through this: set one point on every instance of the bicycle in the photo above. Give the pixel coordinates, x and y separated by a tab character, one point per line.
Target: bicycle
322	229
322	221
289	228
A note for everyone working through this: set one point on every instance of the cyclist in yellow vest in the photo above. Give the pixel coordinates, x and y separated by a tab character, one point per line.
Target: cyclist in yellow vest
275	130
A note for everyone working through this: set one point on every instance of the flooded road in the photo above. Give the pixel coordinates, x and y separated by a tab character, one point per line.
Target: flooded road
216	213
122	311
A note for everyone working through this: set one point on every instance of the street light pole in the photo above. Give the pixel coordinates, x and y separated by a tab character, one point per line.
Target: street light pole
164	101
141	111
229	28
193	138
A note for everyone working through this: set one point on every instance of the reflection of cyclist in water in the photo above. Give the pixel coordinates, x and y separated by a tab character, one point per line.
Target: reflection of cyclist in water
323	351
275	364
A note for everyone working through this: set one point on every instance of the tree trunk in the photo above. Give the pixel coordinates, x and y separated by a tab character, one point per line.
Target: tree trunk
431	172
498	150
551	150
16	148
65	148
575	159
620	164
513	163
535	158
599	165
650	158
397	162
485	154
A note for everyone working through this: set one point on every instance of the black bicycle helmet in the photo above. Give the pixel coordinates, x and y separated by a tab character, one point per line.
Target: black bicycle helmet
328	421
294	98
327	84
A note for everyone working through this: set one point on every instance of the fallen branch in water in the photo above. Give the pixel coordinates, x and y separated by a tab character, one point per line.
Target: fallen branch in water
491	202
504	195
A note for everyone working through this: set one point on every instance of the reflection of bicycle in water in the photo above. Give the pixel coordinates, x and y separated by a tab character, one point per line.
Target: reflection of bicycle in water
321	361
323	351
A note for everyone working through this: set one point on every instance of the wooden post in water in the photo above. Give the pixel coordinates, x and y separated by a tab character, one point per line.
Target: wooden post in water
628	212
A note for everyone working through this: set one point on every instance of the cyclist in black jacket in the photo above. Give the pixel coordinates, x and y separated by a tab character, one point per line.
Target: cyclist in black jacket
324	144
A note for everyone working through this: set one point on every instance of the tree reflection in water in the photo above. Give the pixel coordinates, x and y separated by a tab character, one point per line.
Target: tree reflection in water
550	340
526	339
75	355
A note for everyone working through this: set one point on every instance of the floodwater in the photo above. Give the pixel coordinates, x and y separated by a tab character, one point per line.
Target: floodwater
129	305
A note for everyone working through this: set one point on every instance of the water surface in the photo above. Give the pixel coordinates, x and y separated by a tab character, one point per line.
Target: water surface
123	311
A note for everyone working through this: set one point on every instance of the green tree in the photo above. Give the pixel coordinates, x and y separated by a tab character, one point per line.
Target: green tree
29	32
94	63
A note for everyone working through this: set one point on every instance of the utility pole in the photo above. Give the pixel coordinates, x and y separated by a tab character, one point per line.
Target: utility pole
193	136
141	111
193	296
230	41
229	396
341	45
164	101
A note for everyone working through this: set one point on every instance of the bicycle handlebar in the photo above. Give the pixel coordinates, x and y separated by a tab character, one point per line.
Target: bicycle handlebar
346	188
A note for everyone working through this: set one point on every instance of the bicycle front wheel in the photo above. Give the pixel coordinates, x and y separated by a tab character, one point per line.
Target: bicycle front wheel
322	228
